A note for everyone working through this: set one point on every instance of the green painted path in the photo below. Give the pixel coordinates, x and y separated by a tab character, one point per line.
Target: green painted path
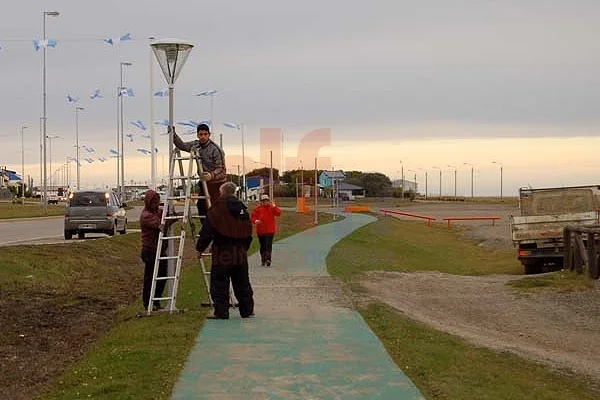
306	342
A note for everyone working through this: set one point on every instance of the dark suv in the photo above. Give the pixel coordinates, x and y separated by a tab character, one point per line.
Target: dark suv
94	211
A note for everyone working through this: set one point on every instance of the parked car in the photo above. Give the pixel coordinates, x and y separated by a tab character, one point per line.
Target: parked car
94	211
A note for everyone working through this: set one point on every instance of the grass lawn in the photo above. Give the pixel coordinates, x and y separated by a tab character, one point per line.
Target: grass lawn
141	358
394	245
29	210
559	281
441	365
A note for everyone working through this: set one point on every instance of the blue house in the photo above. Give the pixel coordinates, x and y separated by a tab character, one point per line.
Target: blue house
327	178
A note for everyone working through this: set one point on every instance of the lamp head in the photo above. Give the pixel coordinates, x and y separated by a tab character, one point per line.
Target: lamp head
52	13
171	55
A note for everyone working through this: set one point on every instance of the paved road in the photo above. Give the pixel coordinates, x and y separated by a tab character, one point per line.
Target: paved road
43	230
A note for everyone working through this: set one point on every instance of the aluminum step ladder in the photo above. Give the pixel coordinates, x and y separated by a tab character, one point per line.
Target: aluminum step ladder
175	242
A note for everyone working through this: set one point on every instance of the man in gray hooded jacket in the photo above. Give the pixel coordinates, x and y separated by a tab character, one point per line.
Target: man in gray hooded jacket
213	163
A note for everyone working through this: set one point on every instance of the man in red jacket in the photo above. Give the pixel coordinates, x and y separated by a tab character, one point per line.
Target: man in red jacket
263	217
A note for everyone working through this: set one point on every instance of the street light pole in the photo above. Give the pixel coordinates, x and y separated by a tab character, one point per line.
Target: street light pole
152	131
402	177
23	127
440	180
472	192
122	151
41	183
171	55
501	169
239	126
271	178
455	171
77	109
50	137
45	117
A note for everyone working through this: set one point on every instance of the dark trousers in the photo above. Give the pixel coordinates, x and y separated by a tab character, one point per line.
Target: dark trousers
220	276
266	247
213	192
148	257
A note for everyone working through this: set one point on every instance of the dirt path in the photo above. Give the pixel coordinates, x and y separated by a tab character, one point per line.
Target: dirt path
560	329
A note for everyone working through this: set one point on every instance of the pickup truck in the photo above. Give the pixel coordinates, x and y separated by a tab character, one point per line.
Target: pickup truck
538	232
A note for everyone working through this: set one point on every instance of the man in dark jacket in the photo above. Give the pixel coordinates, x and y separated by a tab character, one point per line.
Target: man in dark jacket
150	225
228	227
213	163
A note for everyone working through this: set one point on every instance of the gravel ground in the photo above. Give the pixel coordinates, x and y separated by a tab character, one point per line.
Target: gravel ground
559	329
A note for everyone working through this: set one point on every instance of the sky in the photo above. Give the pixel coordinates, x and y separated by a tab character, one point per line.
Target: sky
503	88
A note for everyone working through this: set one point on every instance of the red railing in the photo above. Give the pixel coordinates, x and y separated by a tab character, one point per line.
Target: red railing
449	219
427	217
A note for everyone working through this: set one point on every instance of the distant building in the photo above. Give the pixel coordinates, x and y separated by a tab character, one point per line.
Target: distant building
327	178
330	180
408	186
349	191
9	178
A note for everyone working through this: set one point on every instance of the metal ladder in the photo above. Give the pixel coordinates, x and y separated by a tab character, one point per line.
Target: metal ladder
168	236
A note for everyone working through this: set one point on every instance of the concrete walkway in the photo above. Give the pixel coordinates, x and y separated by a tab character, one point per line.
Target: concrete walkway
306	342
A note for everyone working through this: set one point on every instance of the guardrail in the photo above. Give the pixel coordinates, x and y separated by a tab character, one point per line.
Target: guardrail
581	249
493	219
427	217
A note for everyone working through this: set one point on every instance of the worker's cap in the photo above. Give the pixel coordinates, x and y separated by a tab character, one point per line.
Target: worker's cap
264	197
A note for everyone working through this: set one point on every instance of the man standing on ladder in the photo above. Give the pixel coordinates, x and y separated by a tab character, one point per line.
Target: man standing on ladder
213	163
227	226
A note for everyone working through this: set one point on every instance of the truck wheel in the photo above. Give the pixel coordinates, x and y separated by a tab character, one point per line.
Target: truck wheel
68	235
594	268
533	266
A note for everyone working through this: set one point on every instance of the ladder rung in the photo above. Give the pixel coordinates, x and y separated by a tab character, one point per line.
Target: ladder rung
175	197
168	258
174	217
164	278
196	197
171	237
163	298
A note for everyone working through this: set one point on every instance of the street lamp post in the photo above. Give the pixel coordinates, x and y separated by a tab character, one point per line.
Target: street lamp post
271	177
455	171
171	55
422	169
414	177
501	168
45	117
23	127
50	138
122	150
77	109
211	93
440	180
402	177
471	165
240	126
152	131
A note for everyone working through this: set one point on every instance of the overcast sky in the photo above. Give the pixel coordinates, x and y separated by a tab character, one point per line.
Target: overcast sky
378	72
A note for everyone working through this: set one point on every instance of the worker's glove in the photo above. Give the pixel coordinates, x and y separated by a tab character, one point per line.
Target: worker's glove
258	221
205	176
